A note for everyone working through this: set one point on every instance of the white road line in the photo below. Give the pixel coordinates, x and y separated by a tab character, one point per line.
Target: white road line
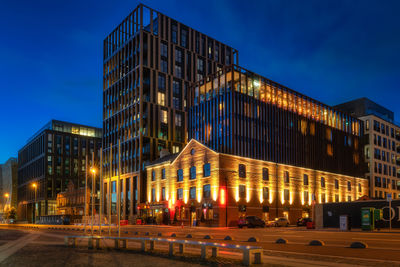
378	239
11	247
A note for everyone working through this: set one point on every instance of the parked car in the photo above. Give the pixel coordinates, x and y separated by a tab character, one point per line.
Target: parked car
251	222
278	222
303	221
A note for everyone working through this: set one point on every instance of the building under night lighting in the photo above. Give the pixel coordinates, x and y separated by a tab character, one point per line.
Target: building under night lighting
52	157
149	62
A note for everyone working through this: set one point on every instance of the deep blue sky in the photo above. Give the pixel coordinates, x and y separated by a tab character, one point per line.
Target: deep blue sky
51	52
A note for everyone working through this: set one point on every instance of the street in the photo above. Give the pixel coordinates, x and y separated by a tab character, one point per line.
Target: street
383	248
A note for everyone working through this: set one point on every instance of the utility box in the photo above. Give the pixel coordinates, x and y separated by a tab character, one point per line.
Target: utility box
367	219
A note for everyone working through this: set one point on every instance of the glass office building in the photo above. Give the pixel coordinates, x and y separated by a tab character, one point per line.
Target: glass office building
238	112
149	62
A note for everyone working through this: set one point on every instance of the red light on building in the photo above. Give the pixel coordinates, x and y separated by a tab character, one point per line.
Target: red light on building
222	199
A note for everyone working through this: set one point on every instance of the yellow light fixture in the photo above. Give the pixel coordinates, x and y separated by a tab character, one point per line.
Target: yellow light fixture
34	185
93	170
6	195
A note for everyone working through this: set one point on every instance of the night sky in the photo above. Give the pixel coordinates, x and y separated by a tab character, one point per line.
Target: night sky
333	51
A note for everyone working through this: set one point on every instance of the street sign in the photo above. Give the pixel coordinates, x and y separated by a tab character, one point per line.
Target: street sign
389	197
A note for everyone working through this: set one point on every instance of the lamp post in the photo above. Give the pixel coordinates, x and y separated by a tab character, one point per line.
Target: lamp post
34	185
93	171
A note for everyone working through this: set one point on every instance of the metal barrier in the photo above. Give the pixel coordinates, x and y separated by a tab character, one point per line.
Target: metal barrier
251	254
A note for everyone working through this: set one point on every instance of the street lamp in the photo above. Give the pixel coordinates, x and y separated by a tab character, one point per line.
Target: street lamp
34	185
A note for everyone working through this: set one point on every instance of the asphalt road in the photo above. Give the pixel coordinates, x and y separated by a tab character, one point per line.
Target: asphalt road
383	248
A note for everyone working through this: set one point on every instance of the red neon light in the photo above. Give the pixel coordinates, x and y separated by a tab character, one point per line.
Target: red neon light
222	198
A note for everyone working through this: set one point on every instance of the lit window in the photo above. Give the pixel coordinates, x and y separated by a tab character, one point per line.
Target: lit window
163	173
161	98
164	116
178	120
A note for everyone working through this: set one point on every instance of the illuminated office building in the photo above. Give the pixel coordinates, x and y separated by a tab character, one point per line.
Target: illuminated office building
149	62
52	157
238	112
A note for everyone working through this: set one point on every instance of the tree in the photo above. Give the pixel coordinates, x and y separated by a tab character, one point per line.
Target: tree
11	213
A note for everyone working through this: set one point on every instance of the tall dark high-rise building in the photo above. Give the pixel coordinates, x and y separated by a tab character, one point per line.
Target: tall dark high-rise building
149	62
53	157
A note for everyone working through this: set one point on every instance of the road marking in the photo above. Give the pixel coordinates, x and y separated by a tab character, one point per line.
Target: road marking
11	247
378	239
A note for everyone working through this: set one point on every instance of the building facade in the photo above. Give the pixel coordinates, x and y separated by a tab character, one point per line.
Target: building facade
235	111
216	189
52	157
382	146
72	201
8	184
149	62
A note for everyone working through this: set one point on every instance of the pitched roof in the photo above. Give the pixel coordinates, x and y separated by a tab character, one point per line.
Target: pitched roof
169	158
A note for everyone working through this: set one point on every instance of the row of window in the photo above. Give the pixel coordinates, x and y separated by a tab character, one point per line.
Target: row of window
192	173
286	177
384	129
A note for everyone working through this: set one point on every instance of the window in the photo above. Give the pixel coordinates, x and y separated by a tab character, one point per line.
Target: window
305	179
286	194
348	186
178	120
242	191
348	198
164	116
206	170
192	173
178	55
179	194
180	175
286	177
153	195
323	198
163	193
161	82
164	65
192	193
336	184
336	198
178	71
184	38
322	182
175	149
164	50
163	173
153	175
367	125
305	196
242	171
206	191
265	174
266	193
161	99
174	32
